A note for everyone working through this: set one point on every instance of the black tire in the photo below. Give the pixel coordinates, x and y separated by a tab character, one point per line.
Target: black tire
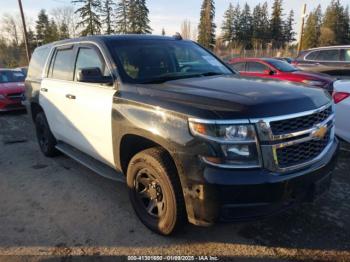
46	140
152	175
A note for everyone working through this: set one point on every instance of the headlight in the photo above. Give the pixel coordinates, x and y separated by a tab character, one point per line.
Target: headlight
237	143
313	82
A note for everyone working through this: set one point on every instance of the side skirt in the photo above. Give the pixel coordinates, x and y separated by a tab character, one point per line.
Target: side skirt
91	163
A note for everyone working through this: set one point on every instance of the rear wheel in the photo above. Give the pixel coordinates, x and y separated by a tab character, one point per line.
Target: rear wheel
46	140
155	191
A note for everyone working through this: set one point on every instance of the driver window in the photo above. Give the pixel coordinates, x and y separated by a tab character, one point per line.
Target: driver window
89	58
256	67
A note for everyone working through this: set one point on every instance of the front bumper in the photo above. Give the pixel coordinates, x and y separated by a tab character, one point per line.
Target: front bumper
11	105
234	195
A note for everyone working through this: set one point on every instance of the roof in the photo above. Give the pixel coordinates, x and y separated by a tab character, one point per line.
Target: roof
106	38
328	47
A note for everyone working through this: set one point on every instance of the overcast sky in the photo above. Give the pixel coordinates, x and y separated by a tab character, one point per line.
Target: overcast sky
167	13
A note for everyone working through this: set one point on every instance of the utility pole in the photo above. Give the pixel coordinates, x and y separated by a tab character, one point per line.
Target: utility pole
24	30
303	14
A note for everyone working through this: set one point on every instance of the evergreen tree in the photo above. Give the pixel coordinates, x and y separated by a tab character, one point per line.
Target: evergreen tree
335	25
89	17
63	31
107	12
276	24
42	27
265	21
260	22
312	29
246	30
138	17
122	21
206	27
52	32
227	27
289	34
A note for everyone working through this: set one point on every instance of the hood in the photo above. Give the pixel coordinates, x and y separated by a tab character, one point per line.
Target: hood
314	76
233	97
11	87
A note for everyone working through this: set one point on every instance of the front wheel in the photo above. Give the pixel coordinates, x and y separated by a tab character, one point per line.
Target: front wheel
46	140
155	191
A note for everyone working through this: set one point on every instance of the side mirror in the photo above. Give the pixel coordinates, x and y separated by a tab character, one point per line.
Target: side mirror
93	75
269	72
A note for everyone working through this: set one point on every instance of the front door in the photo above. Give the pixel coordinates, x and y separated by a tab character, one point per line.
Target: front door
91	108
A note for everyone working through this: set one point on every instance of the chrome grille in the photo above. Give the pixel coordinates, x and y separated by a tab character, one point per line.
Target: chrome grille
15	96
300	153
299	123
295	141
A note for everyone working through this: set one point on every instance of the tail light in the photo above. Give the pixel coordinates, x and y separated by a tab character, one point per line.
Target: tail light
340	96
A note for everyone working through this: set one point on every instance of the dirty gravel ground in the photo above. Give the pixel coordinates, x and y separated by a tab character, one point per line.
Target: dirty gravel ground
56	207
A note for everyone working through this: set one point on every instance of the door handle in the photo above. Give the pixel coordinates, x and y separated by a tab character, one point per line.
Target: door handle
69	96
44	89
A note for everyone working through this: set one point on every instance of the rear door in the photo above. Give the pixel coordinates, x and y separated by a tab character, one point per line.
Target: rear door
91	107
56	83
327	61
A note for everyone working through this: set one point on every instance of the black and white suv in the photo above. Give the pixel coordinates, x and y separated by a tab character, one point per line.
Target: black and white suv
193	140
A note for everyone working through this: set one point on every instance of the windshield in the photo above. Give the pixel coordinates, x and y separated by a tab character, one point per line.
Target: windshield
282	66
7	76
149	61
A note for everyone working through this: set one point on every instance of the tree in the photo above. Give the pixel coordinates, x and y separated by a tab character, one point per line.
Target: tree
206	27
42	27
63	31
52	33
163	32
276	26
245	27
227	27
89	17
64	16
186	31
10	26
138	17
122	21
289	34
312	29
107	11
335	25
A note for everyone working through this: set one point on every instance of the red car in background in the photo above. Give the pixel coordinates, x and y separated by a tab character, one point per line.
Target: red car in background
281	70
11	90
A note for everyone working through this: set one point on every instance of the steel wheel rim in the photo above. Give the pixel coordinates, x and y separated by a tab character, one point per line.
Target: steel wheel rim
149	193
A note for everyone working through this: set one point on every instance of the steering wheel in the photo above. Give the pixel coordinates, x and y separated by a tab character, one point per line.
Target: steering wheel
182	68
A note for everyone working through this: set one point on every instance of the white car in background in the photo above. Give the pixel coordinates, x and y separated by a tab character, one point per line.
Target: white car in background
341	97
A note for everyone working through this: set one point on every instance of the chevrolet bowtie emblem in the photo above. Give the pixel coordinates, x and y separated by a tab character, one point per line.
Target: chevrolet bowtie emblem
320	132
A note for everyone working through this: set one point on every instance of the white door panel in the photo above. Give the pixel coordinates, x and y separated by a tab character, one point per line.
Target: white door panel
56	106
91	116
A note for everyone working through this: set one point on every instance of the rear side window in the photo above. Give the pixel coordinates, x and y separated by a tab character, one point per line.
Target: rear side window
347	55
239	66
37	62
256	67
62	66
329	55
312	55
